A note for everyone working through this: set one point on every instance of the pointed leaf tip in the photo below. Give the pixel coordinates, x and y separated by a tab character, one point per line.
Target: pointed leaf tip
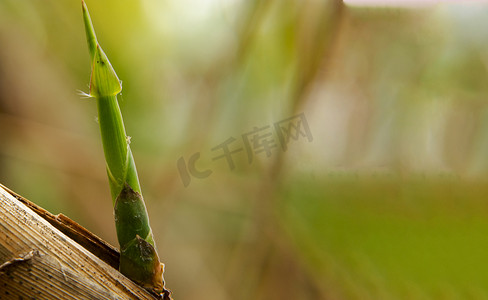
104	80
91	37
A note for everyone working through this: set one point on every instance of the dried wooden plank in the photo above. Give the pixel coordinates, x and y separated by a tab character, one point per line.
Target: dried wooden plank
38	261
75	231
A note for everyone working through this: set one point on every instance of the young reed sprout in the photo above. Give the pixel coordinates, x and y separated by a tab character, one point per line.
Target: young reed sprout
139	260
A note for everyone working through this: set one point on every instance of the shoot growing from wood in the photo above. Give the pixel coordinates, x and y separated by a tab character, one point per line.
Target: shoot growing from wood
139	260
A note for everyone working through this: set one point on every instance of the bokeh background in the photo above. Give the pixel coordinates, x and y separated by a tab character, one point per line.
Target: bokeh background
389	199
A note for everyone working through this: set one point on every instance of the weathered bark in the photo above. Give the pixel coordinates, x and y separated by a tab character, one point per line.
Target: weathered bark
45	256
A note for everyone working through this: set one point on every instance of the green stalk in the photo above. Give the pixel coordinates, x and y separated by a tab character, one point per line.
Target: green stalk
139	260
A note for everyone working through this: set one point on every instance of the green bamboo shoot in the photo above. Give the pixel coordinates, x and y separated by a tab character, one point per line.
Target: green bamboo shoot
139	260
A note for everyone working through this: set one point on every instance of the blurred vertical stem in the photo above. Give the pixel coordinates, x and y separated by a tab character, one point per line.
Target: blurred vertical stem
138	257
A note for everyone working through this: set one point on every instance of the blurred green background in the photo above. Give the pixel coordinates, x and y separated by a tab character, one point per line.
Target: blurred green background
389	200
